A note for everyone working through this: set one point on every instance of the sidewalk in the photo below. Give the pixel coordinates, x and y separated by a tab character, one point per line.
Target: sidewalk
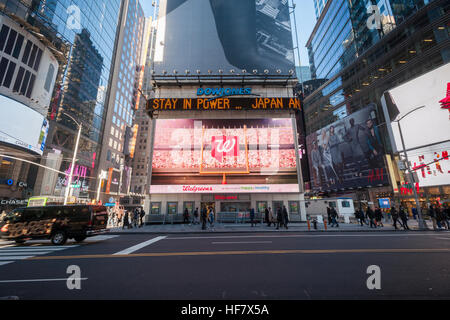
245	228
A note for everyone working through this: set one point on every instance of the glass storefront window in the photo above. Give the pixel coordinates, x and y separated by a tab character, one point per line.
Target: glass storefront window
155	208
294	207
262	206
190	206
172	207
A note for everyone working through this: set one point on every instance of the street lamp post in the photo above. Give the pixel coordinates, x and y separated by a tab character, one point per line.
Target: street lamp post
411	175
74	159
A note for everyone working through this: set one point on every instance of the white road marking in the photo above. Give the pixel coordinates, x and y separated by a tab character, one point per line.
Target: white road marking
101	238
5	263
140	246
21	253
39	280
34	249
442	238
243	242
15	258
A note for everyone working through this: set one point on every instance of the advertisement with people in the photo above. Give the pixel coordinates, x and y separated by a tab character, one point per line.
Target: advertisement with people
229	35
348	153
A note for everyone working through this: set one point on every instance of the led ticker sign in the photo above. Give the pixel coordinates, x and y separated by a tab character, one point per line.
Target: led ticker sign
169	104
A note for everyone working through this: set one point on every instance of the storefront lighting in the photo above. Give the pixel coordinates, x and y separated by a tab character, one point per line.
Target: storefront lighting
428	40
441	28
365	84
412	51
175	72
244	71
255	71
266	71
381	70
402	61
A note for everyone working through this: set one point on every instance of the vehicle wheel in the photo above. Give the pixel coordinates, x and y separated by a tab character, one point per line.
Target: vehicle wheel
80	238
20	241
59	238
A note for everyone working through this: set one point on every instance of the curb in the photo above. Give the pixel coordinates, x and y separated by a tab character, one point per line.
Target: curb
265	232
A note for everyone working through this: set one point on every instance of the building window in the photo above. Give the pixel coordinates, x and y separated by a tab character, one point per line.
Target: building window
49	78
155	208
172	207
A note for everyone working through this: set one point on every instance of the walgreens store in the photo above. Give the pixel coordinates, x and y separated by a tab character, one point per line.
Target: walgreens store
231	165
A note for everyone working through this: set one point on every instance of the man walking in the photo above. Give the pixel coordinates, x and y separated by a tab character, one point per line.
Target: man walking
379	217
141	216
266	215
285	217
403	217
204	216
252	216
279	218
395	217
186	216
334	217
196	216
371	216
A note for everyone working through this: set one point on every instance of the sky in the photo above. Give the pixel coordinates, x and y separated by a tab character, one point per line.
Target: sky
306	19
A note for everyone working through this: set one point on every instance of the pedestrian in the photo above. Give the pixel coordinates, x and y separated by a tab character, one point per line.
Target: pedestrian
141	216
395	217
414	212
211	217
136	214
329	215
334	218
432	214
196	216
440	218
285	217
266	216
279	218
361	217
186	216
252	217
403	217
204	216
370	215
126	222
273	217
379	217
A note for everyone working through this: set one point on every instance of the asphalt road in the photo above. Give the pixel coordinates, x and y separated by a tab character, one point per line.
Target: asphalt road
232	267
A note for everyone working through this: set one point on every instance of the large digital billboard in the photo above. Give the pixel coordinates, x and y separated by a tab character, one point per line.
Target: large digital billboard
418	109
224	35
21	126
260	151
348	153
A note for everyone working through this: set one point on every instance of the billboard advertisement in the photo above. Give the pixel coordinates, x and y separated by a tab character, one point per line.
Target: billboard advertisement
200	152
419	109
21	126
348	153
224	35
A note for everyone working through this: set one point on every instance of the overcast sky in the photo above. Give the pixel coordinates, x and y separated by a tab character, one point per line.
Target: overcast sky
305	15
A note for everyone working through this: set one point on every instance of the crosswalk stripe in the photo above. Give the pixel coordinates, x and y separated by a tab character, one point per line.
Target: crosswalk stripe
23	253
15	258
3	263
30	249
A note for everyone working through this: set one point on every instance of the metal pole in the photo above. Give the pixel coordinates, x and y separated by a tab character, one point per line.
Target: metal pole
419	211
69	183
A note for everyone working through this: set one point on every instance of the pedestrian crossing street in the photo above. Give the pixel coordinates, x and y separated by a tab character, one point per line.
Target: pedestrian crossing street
10	252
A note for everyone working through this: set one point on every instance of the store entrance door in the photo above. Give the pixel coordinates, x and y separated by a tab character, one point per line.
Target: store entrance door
276	205
209	205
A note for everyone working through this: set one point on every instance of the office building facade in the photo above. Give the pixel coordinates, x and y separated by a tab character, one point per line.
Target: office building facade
361	50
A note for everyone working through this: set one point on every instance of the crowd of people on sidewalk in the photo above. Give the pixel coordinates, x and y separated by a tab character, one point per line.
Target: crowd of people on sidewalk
439	215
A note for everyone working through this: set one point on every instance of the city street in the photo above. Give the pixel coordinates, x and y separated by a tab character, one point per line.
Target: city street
241	266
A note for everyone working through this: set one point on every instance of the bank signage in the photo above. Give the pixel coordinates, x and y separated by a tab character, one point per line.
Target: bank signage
226	104
234	189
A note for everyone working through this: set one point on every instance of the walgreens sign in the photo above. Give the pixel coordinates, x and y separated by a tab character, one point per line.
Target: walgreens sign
234	189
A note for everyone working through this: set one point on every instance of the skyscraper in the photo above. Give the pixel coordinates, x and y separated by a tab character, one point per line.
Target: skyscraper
318	6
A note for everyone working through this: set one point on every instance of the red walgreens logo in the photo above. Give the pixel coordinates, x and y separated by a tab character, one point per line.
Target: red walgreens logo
223	146
446	101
